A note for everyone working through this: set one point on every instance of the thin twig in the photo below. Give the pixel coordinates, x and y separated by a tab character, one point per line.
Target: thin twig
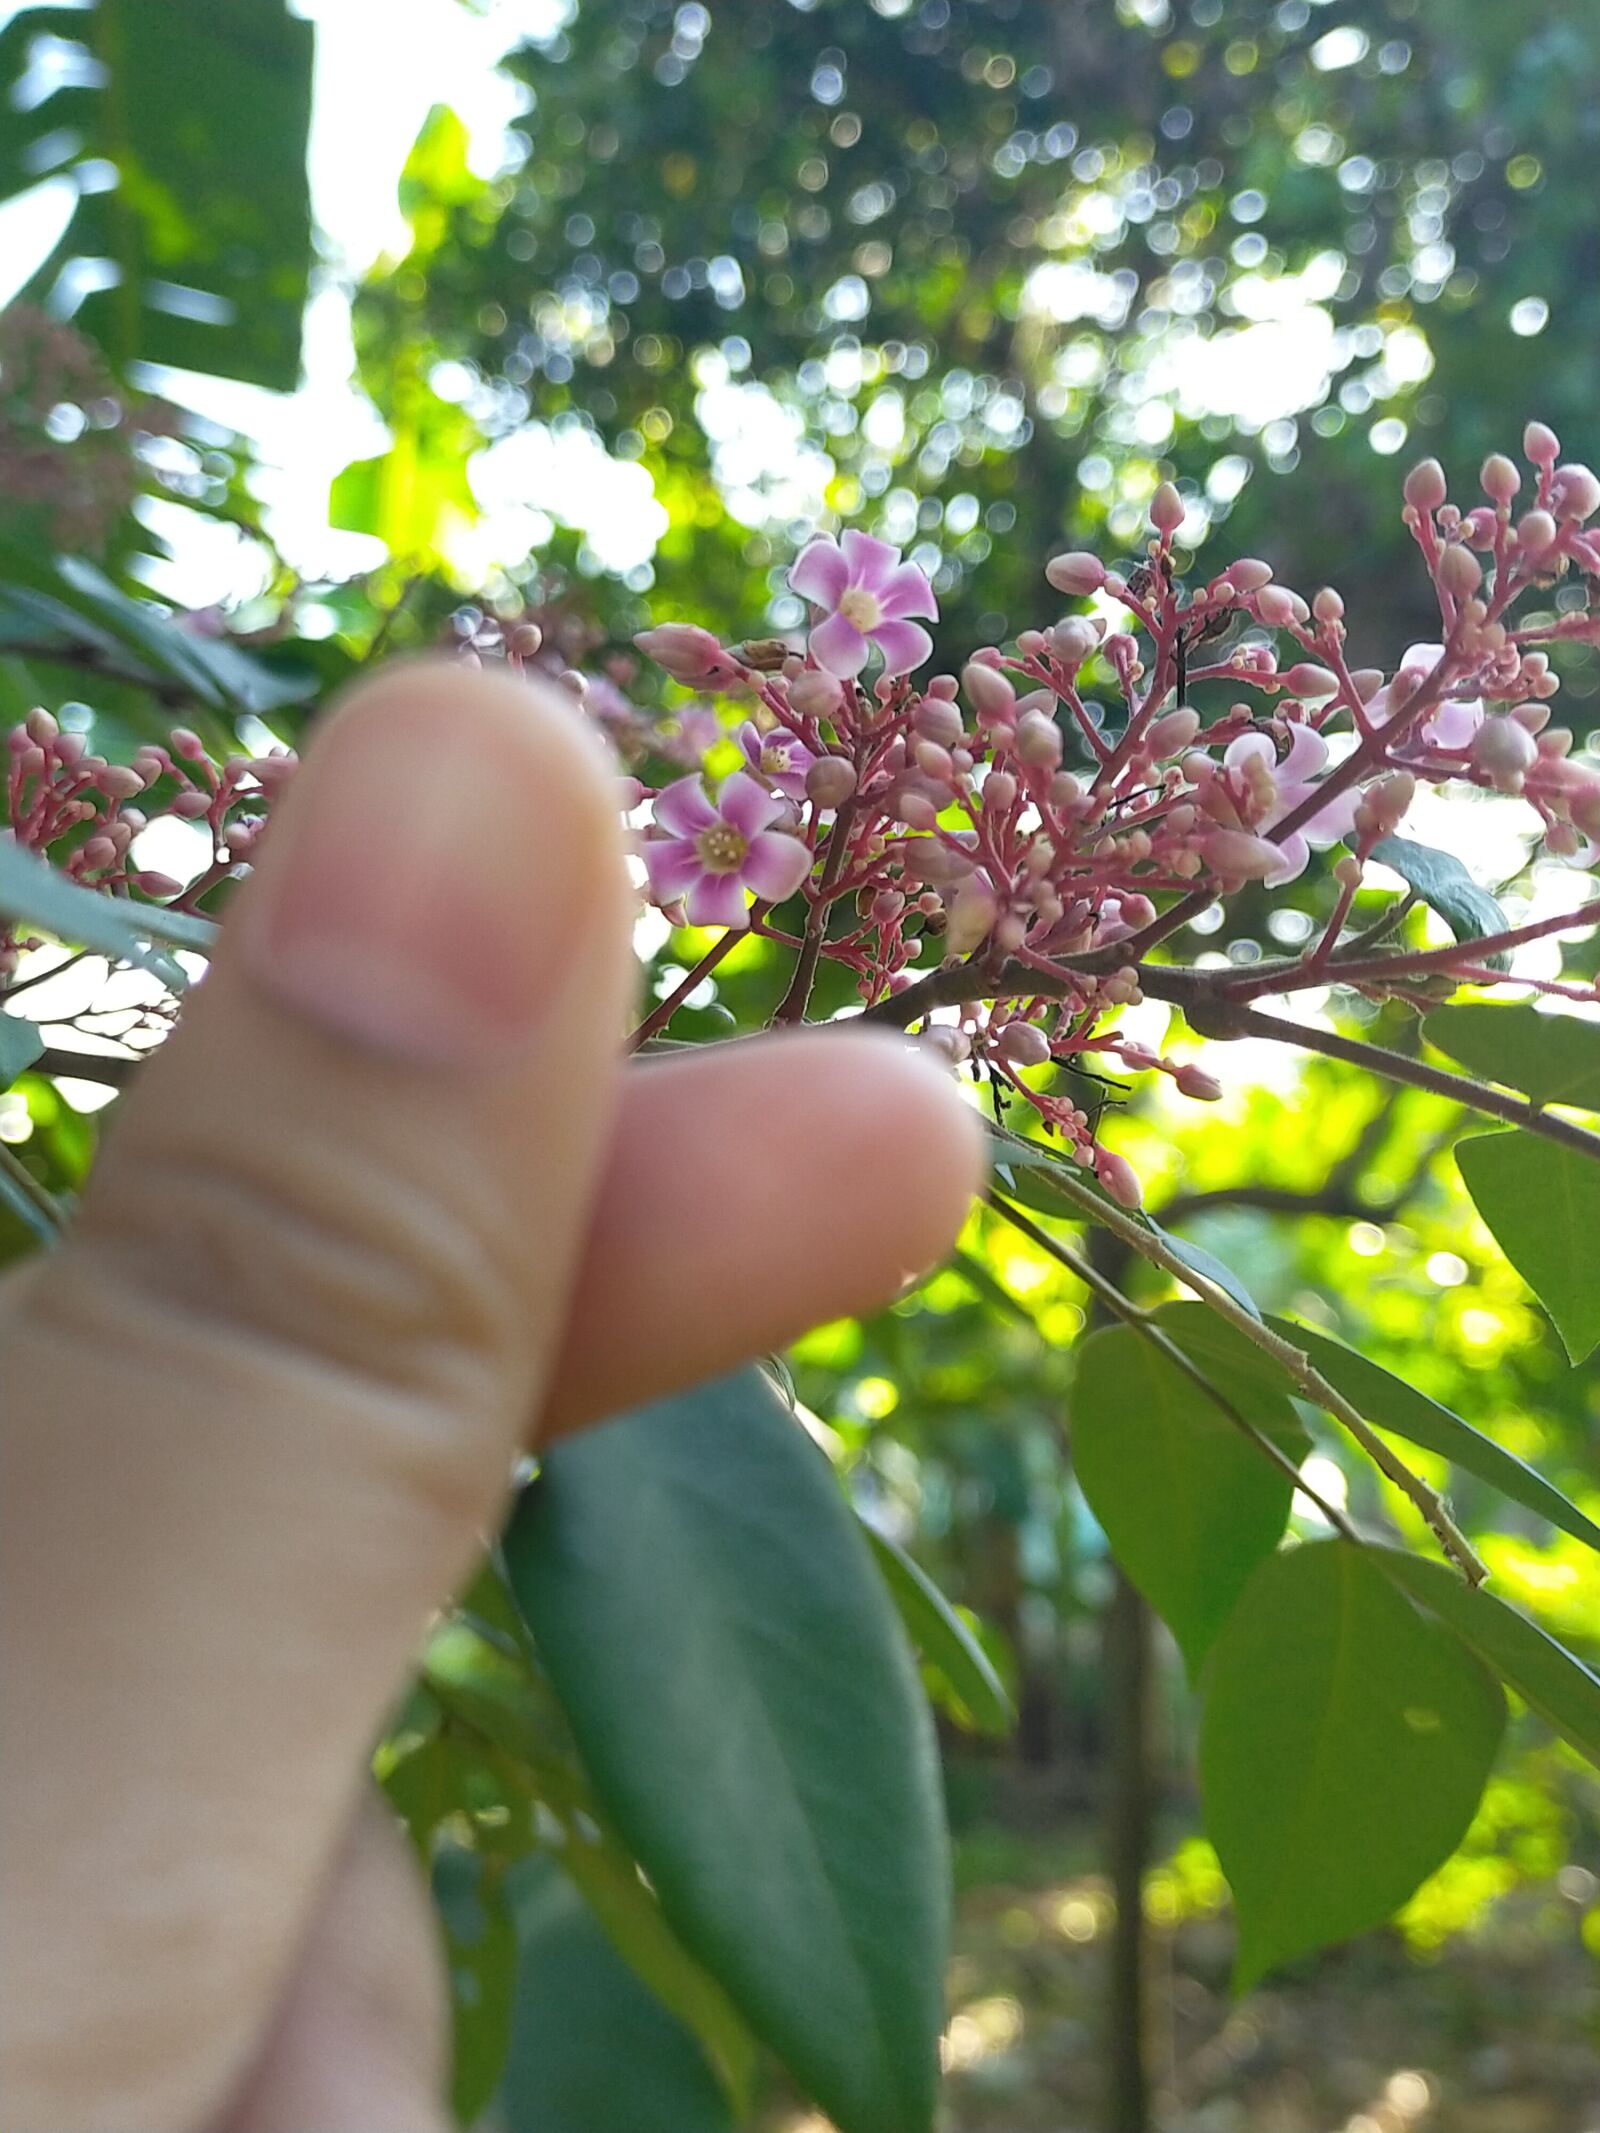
44	1203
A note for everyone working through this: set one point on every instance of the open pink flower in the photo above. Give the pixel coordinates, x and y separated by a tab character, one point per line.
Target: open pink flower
1276	789
1455	721
869	594
779	758
714	851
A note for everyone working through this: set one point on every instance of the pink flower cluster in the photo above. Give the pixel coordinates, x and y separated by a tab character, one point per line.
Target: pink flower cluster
75	808
1001	825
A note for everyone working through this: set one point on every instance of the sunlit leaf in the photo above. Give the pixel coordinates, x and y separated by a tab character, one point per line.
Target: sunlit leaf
944	1640
1555	1059
1188	1503
1444	884
1542	1201
749	1712
1346	1739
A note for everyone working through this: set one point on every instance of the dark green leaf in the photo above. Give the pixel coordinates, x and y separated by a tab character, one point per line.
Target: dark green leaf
1560	1688
1444	884
1345	1743
115	926
944	1640
1394	1405
1542	1202
481	1955
591	2050
1206	1264
750	1715
20	1046
1188	1503
1555	1059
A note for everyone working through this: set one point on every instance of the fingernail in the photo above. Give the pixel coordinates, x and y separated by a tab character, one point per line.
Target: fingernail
436	865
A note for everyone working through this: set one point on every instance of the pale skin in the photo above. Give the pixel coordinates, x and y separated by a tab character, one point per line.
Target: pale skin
389	1207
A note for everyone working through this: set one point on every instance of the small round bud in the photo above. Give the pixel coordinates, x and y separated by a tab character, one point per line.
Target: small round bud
1499	478
1073	639
154	884
1249	574
1038	740
951	1043
1196	1082
1541	444
1347	871
1021	1044
944	685
1425	487
1328	606
1459	572
830	781
1119	1178
1275	605
525	640
41	727
1167	509
1575	492
1077	573
1532	718
989	692
999	792
1536	533
119	781
972	913
1313	681
1503	751
814	694
938	720
934	762
1065	790
885	907
914	810
1172	733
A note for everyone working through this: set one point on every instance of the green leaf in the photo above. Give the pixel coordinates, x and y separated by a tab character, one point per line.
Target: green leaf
20	1046
1550	1680
1396	1406
748	1710
1444	884
1188	1503
591	2050
33	891
202	111
944	1640
1346	1740
1555	1059
1542	1202
1206	1264
481	1955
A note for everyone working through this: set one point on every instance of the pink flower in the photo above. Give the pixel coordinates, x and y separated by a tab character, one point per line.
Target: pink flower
869	593
1455	721
778	758
712	852
1275	789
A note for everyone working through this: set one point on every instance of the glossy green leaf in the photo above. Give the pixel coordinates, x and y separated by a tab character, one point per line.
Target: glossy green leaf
1553	1058
1394	1405
944	1641
1206	1264
1550	1680
1188	1503
749	1712
592	2051
1542	1202
1345	1742
480	1943
20	1046
34	891
1445	886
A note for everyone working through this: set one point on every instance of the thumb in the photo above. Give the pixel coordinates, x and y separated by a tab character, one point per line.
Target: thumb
261	1406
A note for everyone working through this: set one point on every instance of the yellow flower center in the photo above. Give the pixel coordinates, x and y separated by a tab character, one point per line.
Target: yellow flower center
722	849
775	759
861	607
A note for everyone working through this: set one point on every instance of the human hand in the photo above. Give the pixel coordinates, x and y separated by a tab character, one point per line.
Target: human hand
387	1208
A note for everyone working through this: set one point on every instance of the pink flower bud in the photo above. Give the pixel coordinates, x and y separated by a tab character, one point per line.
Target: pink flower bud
1583	805
525	640
1533	718
814	694
158	884
914	810
1065	789
41	727
1073	639
1459	572
1038	740
1390	798
1425	487
885	907
1196	1082
1275	606
938	720
1499	478
1575	492
934	762
1479	527
950	1043
992	696
1237	856
1076	573
687	652
1536	533
830	781
1166	509
1249	574
188	745
972	914
70	748
1328	606
1503	751
1119	1178
1022	1044
1541	444
99	852
943	685
118	781
999	792
1309	680
1368	681
190	806
1173	732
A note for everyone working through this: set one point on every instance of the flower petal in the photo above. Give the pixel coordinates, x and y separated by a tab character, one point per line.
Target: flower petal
871	561
775	865
684	807
906	591
1308	751
1246	748
1454	724
904	645
839	647
718	900
1294	858
673	866
819	572
746	806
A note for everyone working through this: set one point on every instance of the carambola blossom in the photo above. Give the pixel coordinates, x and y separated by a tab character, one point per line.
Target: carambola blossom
1276	789
869	594
709	853
779	758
